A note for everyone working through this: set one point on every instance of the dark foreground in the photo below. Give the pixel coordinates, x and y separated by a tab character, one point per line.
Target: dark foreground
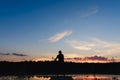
34	68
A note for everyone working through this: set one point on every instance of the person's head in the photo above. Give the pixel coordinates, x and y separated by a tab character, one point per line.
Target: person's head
60	52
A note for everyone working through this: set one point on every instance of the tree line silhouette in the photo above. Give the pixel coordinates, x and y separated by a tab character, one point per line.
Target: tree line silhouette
55	67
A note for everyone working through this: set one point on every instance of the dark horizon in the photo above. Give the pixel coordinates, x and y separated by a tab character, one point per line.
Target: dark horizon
55	67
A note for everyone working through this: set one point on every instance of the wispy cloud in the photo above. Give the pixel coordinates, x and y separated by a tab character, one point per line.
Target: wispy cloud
81	45
59	36
90	12
93	58
100	58
14	54
96	45
4	53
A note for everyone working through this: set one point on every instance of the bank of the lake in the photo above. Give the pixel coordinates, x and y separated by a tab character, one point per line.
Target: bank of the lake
31	68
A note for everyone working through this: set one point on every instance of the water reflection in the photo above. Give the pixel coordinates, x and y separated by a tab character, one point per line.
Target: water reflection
14	78
96	77
62	77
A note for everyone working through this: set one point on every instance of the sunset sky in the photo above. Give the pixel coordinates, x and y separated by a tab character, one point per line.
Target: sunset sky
31	29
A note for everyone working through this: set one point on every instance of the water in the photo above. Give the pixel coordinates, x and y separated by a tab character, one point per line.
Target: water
62	77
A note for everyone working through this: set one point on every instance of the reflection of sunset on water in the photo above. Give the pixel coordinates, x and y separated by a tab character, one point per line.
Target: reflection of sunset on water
62	77
95	77
77	77
80	77
41	78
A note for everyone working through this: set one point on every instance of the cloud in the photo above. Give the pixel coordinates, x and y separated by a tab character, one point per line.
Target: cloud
97	46
15	54
4	53
91	58
59	36
99	58
90	12
80	45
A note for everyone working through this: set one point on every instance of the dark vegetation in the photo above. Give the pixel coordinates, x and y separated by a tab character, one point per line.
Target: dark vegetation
54	67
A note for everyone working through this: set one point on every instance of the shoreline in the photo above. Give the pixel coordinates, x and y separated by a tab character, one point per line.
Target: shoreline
39	68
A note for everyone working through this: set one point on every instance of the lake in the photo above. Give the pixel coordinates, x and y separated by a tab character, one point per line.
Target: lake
62	77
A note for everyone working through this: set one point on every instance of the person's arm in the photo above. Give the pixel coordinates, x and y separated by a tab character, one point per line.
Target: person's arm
56	58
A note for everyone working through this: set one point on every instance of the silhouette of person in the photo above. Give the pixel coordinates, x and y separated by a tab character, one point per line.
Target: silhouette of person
60	57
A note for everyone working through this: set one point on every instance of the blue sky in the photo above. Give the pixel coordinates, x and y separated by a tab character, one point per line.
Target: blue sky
77	27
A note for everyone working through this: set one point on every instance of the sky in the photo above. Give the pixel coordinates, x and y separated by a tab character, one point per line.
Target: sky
31	29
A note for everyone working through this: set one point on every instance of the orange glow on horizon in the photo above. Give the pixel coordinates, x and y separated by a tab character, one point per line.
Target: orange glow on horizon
78	61
91	59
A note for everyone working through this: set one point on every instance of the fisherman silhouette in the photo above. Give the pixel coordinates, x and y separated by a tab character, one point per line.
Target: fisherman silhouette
60	57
